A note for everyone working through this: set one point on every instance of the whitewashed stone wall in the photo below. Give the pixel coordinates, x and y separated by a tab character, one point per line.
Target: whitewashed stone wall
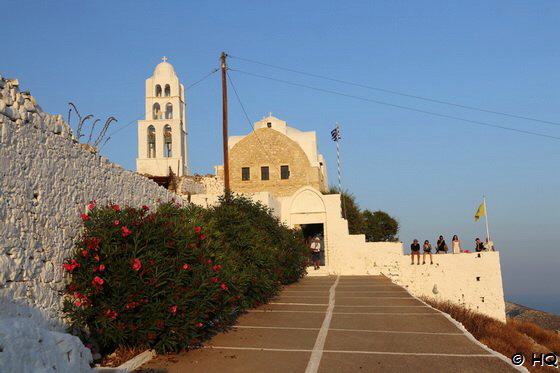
46	180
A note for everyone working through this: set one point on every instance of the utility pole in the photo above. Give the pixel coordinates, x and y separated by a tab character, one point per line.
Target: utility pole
225	123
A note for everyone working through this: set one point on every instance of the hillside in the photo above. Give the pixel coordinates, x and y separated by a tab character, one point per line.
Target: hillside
543	319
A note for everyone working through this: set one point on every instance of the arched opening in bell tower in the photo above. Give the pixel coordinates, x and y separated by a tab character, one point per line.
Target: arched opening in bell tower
158	90
167	142
151	142
167	90
156	111
169	111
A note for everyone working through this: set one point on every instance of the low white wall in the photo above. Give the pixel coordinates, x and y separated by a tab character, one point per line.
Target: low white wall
46	180
473	280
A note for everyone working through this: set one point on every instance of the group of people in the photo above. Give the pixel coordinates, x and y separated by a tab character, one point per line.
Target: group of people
441	248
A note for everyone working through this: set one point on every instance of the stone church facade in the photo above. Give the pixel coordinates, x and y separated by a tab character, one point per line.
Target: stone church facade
276	158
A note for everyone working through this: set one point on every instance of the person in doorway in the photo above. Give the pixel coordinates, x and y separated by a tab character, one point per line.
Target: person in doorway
489	245
415	251
441	246
427	250
316	252
479	245
456	245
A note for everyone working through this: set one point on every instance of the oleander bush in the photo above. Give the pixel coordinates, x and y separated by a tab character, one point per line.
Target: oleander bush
170	278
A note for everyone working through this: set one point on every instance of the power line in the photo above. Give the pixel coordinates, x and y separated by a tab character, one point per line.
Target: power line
398	106
203	78
142	115
247	117
401	93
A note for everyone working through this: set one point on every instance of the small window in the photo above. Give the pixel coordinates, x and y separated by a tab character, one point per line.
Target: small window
284	172
245	173
269	124
264	173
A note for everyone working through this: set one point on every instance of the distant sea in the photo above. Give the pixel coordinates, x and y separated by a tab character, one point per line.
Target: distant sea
547	303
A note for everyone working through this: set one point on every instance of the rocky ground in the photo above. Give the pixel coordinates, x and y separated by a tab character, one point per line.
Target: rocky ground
543	319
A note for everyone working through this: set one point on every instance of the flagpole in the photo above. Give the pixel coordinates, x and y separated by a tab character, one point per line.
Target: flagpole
336	138
486	215
338	157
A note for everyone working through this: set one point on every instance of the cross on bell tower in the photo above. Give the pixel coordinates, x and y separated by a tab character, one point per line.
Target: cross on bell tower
162	135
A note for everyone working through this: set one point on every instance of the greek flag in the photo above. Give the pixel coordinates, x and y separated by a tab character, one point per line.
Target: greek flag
335	134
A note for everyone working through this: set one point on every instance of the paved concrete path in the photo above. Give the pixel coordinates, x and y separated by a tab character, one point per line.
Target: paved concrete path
338	324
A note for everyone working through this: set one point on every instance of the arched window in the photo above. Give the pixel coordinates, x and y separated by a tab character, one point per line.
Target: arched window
167	141
169	111
151	142
167	90
158	90
157	111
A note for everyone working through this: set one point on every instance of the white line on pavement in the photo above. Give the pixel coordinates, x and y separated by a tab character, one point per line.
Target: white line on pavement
350	352
301	304
345	330
347	313
339	305
317	353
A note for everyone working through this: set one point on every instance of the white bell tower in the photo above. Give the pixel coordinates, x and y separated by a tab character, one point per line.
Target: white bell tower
162	135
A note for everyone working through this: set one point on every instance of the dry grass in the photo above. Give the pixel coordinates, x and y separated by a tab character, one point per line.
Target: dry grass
506	338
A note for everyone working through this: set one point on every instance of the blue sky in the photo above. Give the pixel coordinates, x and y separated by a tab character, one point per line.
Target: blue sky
427	171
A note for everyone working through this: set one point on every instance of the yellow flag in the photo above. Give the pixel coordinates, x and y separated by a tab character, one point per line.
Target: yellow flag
480	212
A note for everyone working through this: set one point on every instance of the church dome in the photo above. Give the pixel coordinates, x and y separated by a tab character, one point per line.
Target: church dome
164	69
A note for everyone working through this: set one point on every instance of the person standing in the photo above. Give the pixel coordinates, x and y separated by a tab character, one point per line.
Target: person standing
441	246
415	251
427	250
316	252
456	245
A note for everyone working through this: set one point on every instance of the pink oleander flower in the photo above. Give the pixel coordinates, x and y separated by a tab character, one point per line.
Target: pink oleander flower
216	268
186	266
125	231
97	281
173	309
199	324
116	223
116	207
111	314
84	253
85	217
209	261
201	237
224	286
132	305
96	258
93	243
136	264
144	207
197	229
70	267
91	205
215	280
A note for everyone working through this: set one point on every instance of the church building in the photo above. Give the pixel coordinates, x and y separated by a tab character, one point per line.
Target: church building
162	135
281	167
